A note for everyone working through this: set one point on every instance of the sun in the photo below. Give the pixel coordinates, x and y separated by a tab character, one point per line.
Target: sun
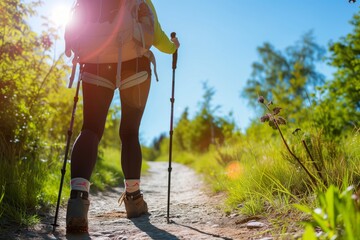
60	14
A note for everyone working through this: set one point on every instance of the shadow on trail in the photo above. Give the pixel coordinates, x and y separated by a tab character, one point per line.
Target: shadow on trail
80	236
153	232
202	232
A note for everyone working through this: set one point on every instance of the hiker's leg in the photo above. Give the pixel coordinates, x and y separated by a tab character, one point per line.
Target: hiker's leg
133	101
96	102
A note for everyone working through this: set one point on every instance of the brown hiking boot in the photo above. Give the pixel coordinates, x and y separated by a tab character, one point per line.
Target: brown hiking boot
76	213
134	204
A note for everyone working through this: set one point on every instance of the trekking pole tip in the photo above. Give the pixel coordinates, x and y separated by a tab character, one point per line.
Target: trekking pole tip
54	227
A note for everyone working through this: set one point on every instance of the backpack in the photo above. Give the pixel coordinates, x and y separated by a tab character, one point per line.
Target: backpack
110	31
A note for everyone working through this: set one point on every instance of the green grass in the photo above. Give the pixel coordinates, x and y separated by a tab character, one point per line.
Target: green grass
107	170
21	187
337	216
28	187
259	177
2	194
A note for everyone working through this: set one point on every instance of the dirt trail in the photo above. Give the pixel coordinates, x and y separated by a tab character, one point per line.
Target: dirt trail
195	214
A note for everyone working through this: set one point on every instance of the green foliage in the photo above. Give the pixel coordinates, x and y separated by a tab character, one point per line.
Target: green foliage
21	184
156	148
339	108
259	178
309	233
275	121
265	183
35	112
111	133
1	199
286	77
31	89
338	215
207	127
107	170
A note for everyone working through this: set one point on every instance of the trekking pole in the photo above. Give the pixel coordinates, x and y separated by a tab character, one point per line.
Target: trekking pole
172	100
69	134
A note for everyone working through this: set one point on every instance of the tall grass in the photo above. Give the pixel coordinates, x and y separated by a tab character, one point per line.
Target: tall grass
257	179
259	176
29	183
107	170
338	215
21	183
29	186
2	194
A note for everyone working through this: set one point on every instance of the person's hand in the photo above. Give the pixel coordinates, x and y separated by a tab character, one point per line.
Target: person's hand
175	40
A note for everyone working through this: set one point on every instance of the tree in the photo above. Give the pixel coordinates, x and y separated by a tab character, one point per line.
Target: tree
340	107
32	81
182	131
286	77
34	109
205	128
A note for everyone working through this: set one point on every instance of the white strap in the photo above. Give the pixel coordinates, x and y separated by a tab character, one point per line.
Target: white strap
118	72
134	80
97	80
141	35
150	55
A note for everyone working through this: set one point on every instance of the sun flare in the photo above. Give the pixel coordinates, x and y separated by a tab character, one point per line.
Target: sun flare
234	170
60	15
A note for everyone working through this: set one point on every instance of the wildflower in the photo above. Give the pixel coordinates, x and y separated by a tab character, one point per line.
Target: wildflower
265	118
272	124
276	110
261	99
281	120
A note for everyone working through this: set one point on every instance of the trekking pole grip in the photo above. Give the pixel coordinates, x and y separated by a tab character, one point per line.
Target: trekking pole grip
175	54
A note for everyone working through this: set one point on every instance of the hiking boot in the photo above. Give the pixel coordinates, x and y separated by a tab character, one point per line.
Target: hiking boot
134	204
77	211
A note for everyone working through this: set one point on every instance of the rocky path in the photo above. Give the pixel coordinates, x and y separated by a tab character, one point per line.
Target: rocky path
194	213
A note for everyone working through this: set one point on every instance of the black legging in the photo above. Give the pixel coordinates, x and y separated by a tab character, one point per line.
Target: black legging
96	103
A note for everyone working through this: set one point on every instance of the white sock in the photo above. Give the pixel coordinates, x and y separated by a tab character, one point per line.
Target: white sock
80	184
132	185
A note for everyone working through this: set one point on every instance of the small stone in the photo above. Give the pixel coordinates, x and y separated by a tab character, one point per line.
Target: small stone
252	225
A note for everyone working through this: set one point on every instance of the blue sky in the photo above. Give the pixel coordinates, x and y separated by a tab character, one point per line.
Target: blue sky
218	45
